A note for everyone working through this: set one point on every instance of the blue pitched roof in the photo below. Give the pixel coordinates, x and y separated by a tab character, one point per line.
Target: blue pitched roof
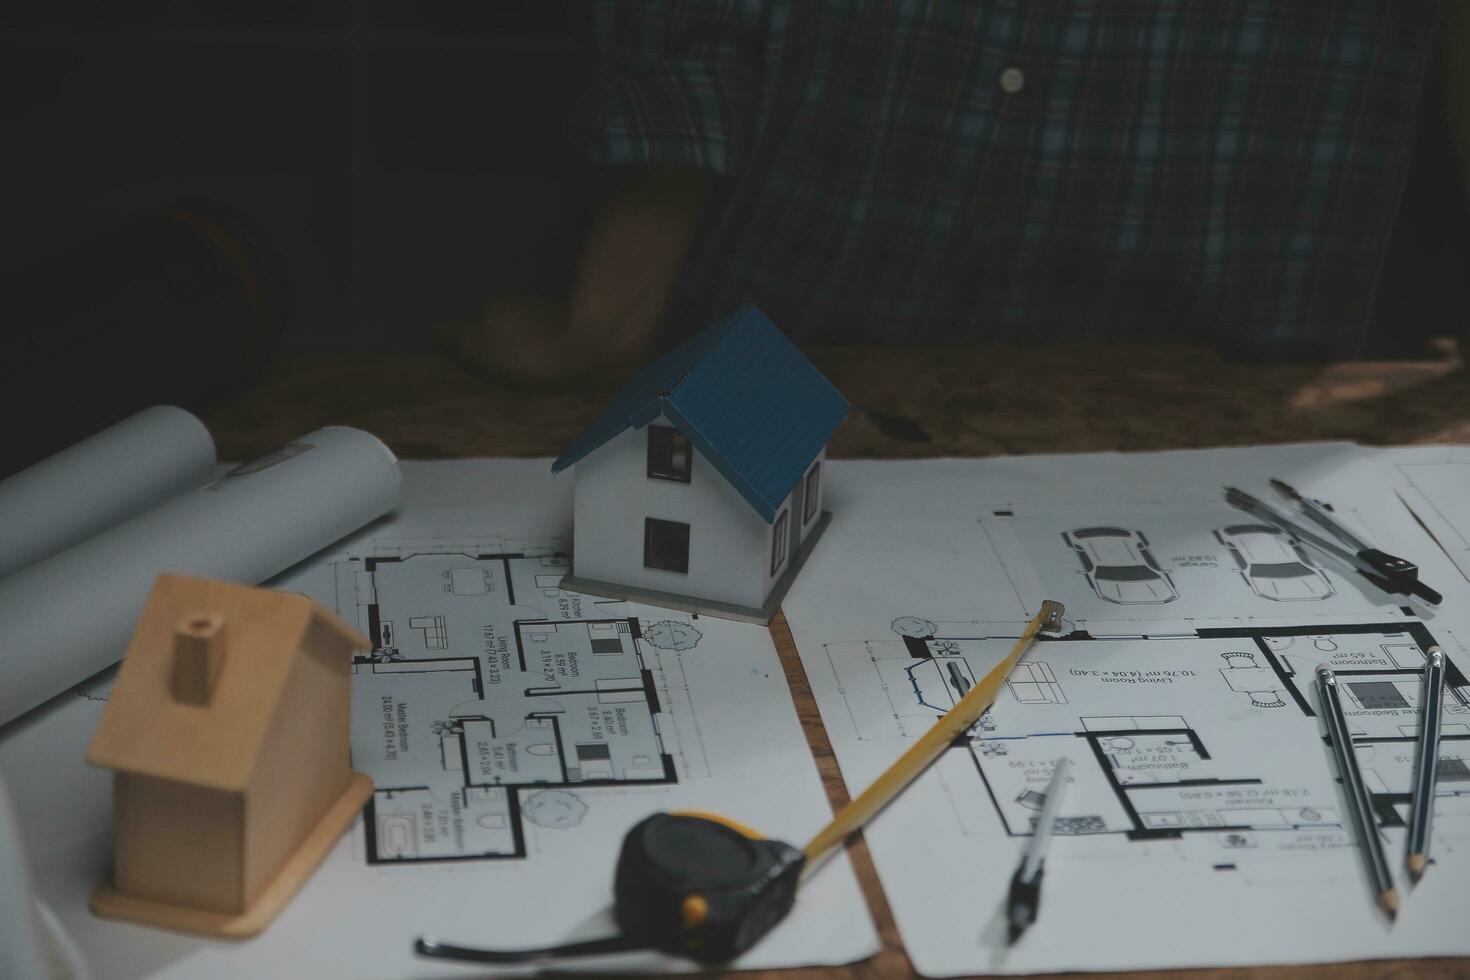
743	395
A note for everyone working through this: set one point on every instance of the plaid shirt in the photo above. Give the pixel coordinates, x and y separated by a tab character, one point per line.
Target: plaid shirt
1214	171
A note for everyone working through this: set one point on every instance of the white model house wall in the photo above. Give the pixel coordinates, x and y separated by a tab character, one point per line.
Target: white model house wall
729	543
798	492
797	527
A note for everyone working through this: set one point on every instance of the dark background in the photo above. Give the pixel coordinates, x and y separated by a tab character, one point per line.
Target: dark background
405	160
392	166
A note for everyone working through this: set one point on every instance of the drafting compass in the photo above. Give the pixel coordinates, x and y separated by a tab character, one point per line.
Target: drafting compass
1389	572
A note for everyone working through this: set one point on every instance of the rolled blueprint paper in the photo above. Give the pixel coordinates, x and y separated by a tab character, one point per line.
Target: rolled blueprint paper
71	615
100	482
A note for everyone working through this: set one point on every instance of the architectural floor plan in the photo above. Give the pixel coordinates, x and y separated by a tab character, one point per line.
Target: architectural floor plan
515	732
1204	821
489	694
1214	733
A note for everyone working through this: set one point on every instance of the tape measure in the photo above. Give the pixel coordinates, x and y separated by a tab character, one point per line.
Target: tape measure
692	884
702	886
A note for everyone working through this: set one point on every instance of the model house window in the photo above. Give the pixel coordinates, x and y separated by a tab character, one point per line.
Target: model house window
665	545
778	543
809	495
668	454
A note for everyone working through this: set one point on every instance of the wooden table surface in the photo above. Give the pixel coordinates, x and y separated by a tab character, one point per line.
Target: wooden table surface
908	403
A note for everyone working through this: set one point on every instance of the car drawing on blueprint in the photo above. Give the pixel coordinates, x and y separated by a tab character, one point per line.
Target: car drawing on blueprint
1119	567
1273	563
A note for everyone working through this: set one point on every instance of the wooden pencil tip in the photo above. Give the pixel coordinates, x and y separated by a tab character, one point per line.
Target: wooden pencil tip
1388	900
1417	864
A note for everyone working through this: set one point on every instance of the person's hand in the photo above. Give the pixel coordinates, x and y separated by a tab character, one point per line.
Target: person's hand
525	342
516	340
626	277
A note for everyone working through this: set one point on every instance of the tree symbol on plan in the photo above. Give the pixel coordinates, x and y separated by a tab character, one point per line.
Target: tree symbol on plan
554	809
670	635
914	626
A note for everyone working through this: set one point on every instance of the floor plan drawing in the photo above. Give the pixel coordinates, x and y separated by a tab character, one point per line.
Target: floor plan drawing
515	731
1204	815
485	685
1214	732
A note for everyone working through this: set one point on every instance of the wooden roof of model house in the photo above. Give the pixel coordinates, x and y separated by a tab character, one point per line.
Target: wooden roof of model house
216	743
742	393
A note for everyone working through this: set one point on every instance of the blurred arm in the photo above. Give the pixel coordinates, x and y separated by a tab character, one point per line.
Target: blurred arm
631	259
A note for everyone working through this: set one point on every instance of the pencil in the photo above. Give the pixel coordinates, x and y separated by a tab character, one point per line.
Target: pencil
1023	901
1361	807
1428	768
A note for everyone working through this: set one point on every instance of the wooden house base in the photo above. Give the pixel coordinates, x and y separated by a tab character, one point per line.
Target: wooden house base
108	902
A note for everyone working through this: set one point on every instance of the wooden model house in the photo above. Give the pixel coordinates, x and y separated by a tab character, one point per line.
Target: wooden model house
227	731
699	487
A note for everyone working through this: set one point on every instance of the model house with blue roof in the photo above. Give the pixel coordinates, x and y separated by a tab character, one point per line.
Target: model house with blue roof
700	487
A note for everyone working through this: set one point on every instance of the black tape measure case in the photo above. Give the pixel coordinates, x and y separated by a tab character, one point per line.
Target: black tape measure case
702	886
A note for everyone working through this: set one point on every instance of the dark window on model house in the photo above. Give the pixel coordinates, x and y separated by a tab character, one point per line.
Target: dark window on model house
778	543
668	454
665	545
809	495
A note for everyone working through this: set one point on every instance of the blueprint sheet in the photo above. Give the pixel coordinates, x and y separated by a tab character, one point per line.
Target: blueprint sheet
1203	823
514	732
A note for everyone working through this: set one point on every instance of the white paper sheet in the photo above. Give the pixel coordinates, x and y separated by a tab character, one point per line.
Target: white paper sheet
22	942
725	721
1436	487
1203	822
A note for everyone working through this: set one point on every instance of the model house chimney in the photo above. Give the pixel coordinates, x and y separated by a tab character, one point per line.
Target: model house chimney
199	655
